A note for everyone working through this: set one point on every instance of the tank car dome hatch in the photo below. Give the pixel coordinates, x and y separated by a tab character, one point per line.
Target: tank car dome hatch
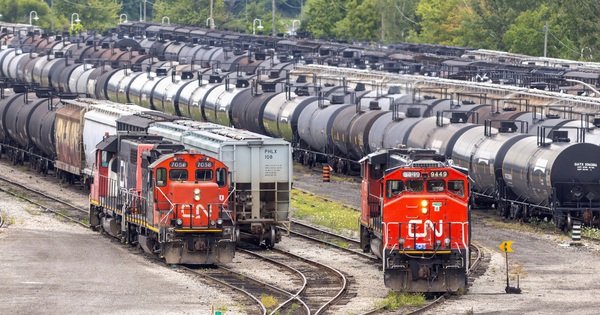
459	117
394	90
337	99
360	87
508	127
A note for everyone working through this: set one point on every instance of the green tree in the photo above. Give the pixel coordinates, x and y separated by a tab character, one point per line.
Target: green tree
320	17
98	15
362	22
194	12
440	21
19	11
399	19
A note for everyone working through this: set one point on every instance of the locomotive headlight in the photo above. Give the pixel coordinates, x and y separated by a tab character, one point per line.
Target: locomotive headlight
438	243
197	194
447	242
197	197
212	222
424	204
401	241
219	222
179	223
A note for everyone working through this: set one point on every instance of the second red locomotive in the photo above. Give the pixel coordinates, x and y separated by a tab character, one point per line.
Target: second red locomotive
173	203
415	217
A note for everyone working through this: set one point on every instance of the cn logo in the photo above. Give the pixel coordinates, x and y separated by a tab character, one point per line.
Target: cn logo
199	209
427	226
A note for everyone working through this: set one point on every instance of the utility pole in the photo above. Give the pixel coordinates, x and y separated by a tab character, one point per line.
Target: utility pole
52	15
545	38
273	32
382	28
212	21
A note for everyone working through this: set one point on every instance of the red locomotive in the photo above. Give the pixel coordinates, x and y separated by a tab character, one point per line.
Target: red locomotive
415	217
150	192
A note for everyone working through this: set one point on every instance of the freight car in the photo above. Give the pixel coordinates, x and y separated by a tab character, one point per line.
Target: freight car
415	217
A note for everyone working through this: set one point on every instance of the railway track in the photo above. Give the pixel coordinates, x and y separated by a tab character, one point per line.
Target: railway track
322	286
45	201
330	239
253	289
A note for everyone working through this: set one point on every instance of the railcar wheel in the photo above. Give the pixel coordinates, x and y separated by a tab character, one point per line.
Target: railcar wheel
558	221
569	223
271	239
525	217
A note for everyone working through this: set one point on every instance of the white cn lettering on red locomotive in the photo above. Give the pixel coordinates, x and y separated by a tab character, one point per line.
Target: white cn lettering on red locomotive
428	225
189	213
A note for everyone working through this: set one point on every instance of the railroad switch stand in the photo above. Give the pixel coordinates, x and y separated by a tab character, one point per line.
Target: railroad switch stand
505	247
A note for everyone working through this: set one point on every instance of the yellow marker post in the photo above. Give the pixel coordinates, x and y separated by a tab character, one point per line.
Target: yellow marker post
505	247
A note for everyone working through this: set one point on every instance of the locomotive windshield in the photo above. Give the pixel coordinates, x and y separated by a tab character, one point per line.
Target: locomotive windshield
456	187
204	175
178	174
394	188
414	185
435	185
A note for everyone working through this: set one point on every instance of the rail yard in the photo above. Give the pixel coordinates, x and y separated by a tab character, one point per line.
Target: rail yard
547	288
181	143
